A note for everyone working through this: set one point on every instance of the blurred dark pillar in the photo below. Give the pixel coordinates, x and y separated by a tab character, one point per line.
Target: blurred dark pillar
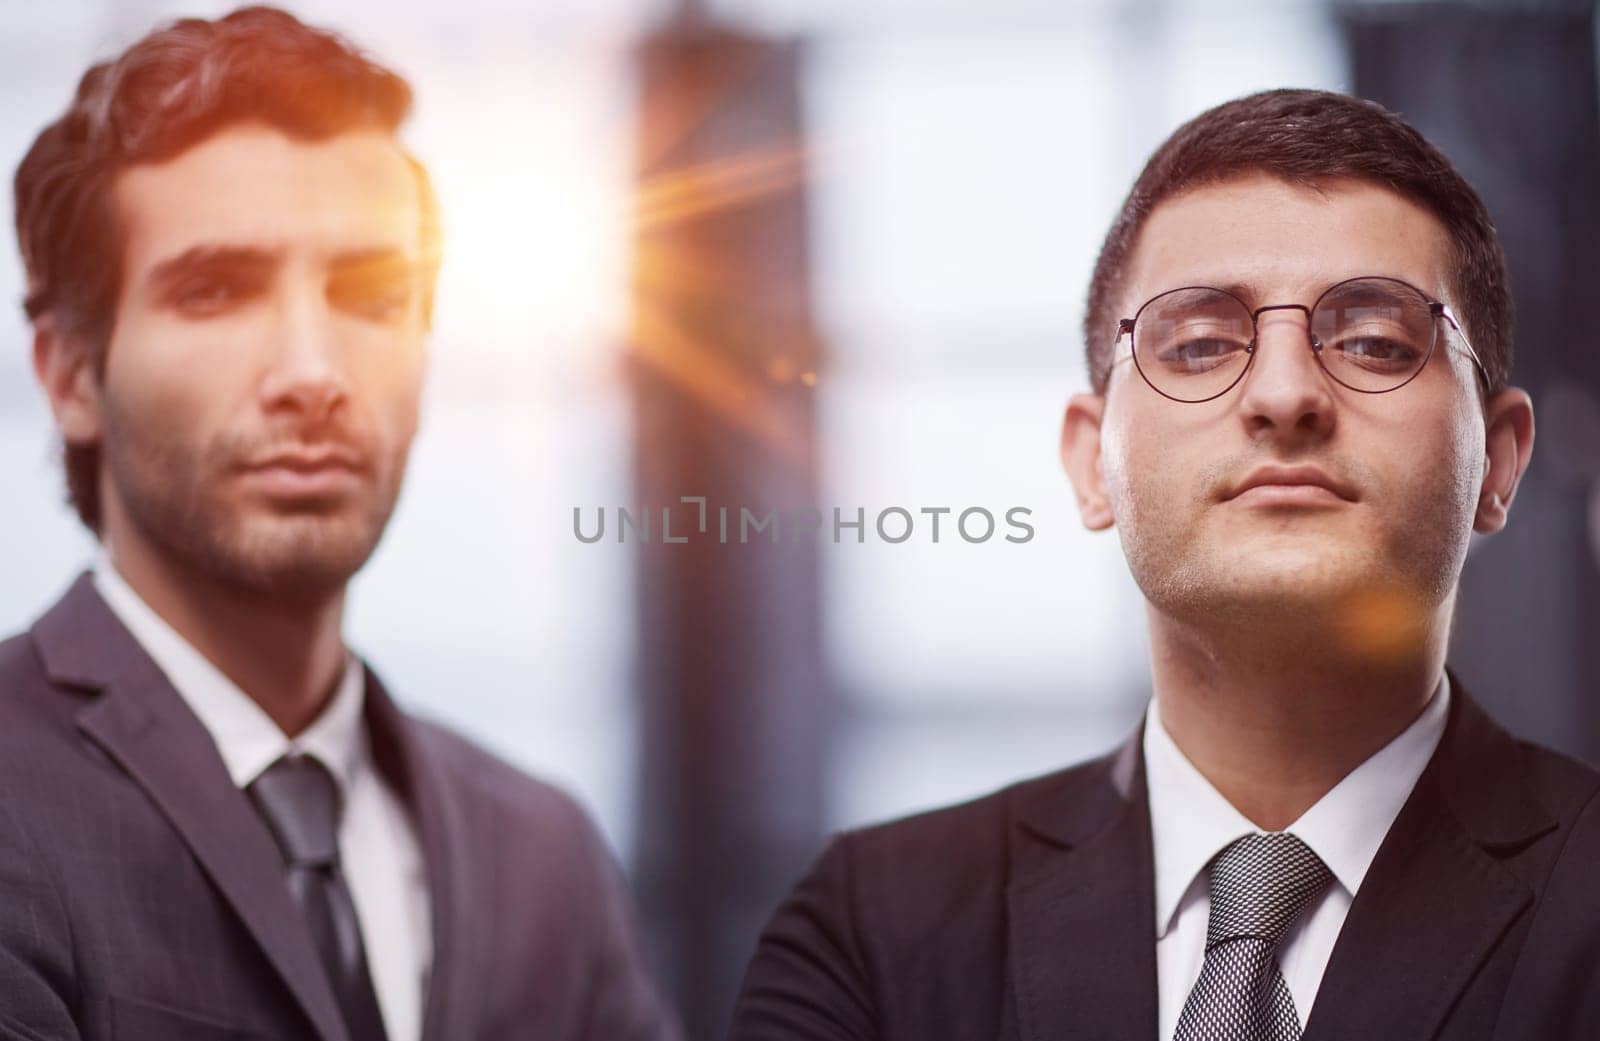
1509	93
723	361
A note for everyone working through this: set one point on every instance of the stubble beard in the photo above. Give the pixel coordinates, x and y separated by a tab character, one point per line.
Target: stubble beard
183	502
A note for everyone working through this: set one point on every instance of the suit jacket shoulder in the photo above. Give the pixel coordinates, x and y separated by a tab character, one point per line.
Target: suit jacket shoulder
1555	990
536	835
494	787
902	929
1564	785
921	870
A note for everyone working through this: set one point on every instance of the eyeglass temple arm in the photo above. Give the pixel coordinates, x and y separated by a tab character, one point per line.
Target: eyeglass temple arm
1124	328
1443	311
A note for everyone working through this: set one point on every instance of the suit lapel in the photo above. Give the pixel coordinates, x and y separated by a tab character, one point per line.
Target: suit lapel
143	724
1437	899
1082	906
403	755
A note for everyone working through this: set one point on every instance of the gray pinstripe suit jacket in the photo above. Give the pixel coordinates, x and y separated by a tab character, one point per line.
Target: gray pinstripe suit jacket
141	898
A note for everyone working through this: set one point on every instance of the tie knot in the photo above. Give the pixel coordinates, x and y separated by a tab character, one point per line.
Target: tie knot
1260	885
299	800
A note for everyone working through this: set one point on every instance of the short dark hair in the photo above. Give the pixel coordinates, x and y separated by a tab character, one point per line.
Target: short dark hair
172	89
1313	137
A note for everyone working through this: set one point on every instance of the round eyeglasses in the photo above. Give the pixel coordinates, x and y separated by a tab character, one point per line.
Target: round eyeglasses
1371	334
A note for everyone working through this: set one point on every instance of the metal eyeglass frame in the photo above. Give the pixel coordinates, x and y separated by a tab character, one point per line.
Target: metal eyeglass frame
1436	308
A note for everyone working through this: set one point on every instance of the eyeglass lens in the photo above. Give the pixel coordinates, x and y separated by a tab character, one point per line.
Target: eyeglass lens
1370	334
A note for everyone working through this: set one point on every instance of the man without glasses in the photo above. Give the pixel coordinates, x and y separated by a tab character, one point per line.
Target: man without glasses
214	822
1299	339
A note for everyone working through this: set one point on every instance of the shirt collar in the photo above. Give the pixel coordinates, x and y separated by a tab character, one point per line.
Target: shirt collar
1190	821
246	737
337	737
1346	826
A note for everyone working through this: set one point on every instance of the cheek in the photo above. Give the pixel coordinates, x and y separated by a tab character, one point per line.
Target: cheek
389	382
163	390
1116	463
1460	467
1150	465
1438	455
1423	477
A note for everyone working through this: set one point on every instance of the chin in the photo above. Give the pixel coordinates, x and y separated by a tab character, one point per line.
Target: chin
300	557
1271	587
1369	612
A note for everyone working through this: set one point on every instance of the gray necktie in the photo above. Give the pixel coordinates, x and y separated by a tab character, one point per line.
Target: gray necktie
1260	885
299	800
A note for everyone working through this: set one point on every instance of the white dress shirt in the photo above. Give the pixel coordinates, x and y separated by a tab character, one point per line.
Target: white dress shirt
378	848
1190	822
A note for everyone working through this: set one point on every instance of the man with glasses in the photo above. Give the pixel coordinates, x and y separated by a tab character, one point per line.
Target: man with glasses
1299	341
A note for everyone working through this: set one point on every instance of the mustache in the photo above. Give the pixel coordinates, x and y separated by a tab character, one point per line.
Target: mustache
322	441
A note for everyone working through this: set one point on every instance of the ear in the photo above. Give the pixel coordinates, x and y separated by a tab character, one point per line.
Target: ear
67	373
1080	454
1508	436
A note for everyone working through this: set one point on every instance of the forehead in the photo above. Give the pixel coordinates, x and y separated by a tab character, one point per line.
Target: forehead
253	185
1287	242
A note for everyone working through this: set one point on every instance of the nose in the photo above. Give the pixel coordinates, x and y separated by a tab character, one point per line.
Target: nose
306	379
1287	395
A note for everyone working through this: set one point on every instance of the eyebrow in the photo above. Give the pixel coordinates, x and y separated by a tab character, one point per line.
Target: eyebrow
1251	294
378	259
212	258
1246	291
255	260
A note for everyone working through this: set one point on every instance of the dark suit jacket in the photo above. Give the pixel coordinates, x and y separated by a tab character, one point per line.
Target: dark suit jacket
142	899
1029	914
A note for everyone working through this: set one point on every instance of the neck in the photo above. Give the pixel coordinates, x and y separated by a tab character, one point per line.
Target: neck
287	656
1275	719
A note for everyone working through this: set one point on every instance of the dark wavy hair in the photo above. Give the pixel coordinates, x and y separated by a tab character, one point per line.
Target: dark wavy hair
175	87
1312	137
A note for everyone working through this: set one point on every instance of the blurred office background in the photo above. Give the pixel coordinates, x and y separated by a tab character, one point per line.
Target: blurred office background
793	253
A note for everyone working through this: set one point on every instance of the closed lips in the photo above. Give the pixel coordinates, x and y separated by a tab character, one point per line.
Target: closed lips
1292	476
309	462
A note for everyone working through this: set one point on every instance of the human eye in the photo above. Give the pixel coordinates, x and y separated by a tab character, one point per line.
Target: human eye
1379	353
384	297
1198	354
208	295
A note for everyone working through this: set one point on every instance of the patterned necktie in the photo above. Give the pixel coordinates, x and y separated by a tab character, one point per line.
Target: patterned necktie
1260	885
299	800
